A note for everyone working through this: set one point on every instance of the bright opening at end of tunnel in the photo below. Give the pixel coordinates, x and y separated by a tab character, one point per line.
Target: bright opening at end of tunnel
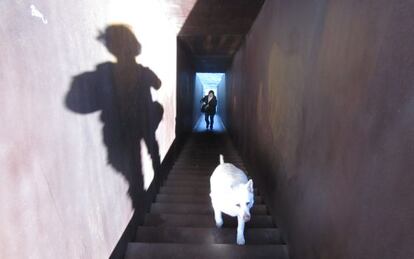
210	81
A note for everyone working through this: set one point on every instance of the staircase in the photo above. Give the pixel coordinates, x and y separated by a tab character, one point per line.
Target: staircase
181	224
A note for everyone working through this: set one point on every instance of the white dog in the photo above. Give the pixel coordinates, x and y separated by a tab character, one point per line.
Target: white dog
231	193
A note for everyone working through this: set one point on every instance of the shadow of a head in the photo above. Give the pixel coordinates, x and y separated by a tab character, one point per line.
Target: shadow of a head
120	41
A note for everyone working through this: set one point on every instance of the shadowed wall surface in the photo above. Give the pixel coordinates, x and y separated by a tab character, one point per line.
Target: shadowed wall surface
185	90
198	94
222	98
321	97
65	191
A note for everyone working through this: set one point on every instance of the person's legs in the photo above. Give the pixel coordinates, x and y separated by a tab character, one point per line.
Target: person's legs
211	121
206	119
153	150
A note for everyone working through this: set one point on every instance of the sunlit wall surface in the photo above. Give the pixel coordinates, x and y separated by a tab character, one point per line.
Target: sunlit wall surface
63	193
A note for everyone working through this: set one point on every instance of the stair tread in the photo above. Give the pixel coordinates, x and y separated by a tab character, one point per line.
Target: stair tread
200	167
204	251
194	220
181	222
186	198
200	172
173	182
197	171
188	208
194	162
189	176
214	235
188	190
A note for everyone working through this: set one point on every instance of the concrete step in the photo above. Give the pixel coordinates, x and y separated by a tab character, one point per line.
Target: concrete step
253	236
205	156
204	251
186	183
184	198
183	183
206	146
203	146
184	176
203	167
209	154
188	190
199	169
195	171
189	208
194	220
189	176
210	159
184	190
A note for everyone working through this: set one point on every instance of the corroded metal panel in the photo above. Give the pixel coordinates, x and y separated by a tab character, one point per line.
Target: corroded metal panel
75	161
320	99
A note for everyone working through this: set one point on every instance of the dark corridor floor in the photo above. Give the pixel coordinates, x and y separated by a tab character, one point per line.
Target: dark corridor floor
217	128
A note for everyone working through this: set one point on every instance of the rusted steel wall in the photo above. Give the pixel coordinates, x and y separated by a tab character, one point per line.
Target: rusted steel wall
78	140
221	102
321	100
186	89
198	94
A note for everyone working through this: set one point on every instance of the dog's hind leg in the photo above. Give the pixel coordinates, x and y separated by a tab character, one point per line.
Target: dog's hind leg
240	231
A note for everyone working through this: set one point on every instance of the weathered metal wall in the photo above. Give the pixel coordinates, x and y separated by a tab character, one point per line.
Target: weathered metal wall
321	98
221	93
186	89
65	184
198	94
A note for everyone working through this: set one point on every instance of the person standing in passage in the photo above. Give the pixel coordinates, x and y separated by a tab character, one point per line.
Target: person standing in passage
209	103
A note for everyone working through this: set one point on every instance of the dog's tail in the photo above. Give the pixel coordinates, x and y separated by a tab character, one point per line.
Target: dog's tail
221	159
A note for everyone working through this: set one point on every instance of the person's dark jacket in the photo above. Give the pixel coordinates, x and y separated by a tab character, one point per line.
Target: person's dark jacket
211	108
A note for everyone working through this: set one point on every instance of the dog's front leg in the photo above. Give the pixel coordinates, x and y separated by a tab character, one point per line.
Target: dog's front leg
240	231
218	218
217	211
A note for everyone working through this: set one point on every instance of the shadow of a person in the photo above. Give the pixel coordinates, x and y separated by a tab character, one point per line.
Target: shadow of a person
121	91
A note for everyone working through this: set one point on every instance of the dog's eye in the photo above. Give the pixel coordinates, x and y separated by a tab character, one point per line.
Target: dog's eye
238	205
247	203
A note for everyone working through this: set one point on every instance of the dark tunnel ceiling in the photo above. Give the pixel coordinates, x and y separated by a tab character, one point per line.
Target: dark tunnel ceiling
215	29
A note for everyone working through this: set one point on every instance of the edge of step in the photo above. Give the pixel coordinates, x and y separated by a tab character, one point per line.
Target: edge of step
199	220
204	251
195	235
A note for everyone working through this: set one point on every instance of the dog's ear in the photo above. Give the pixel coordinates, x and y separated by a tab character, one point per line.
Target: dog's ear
250	185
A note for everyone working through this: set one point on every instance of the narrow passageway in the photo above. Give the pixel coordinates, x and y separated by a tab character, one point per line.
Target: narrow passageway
104	151
181	221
